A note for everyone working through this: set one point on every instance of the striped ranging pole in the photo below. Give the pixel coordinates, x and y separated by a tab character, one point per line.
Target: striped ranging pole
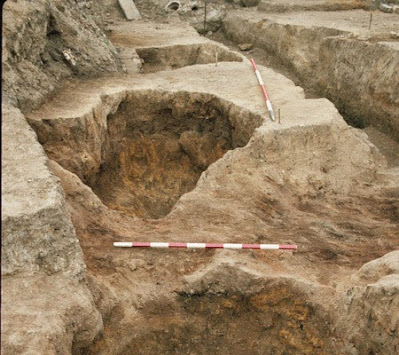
262	85
204	245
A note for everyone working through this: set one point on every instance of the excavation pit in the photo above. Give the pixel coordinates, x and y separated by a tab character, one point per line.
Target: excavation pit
157	146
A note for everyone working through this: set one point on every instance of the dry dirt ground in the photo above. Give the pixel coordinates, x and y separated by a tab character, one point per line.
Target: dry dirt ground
179	147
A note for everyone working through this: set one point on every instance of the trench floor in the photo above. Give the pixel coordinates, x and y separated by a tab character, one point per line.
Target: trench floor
384	27
337	233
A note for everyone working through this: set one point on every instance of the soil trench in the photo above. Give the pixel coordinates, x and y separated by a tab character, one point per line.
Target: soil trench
161	135
332	55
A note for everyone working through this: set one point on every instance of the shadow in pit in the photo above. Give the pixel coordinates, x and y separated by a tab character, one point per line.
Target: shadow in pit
266	317
157	146
140	153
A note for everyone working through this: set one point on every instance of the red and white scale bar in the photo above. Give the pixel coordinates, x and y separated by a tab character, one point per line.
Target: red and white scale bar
262	85
204	245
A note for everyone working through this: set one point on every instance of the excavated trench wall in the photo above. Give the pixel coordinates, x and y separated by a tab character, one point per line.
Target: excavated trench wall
46	42
359	77
140	141
121	141
173	57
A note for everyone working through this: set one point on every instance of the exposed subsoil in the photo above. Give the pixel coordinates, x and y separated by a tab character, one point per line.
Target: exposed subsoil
172	301
323	52
156	149
182	150
168	46
387	145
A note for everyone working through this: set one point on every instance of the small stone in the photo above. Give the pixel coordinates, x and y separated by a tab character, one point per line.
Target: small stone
245	46
386	8
129	9
132	265
69	57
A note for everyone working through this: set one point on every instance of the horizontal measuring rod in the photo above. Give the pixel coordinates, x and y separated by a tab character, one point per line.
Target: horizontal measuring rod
204	245
263	87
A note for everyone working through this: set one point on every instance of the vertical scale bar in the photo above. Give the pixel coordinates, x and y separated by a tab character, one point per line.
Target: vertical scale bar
262	85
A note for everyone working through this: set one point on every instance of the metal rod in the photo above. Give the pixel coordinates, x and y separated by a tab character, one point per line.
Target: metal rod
371	19
205	18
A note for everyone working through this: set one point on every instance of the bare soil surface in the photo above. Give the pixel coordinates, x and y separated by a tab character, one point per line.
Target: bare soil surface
355	21
311	5
387	146
180	148
46	43
326	58
168	46
259	193
158	150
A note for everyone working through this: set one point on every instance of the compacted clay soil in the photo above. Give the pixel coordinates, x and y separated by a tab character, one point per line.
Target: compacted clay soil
176	145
